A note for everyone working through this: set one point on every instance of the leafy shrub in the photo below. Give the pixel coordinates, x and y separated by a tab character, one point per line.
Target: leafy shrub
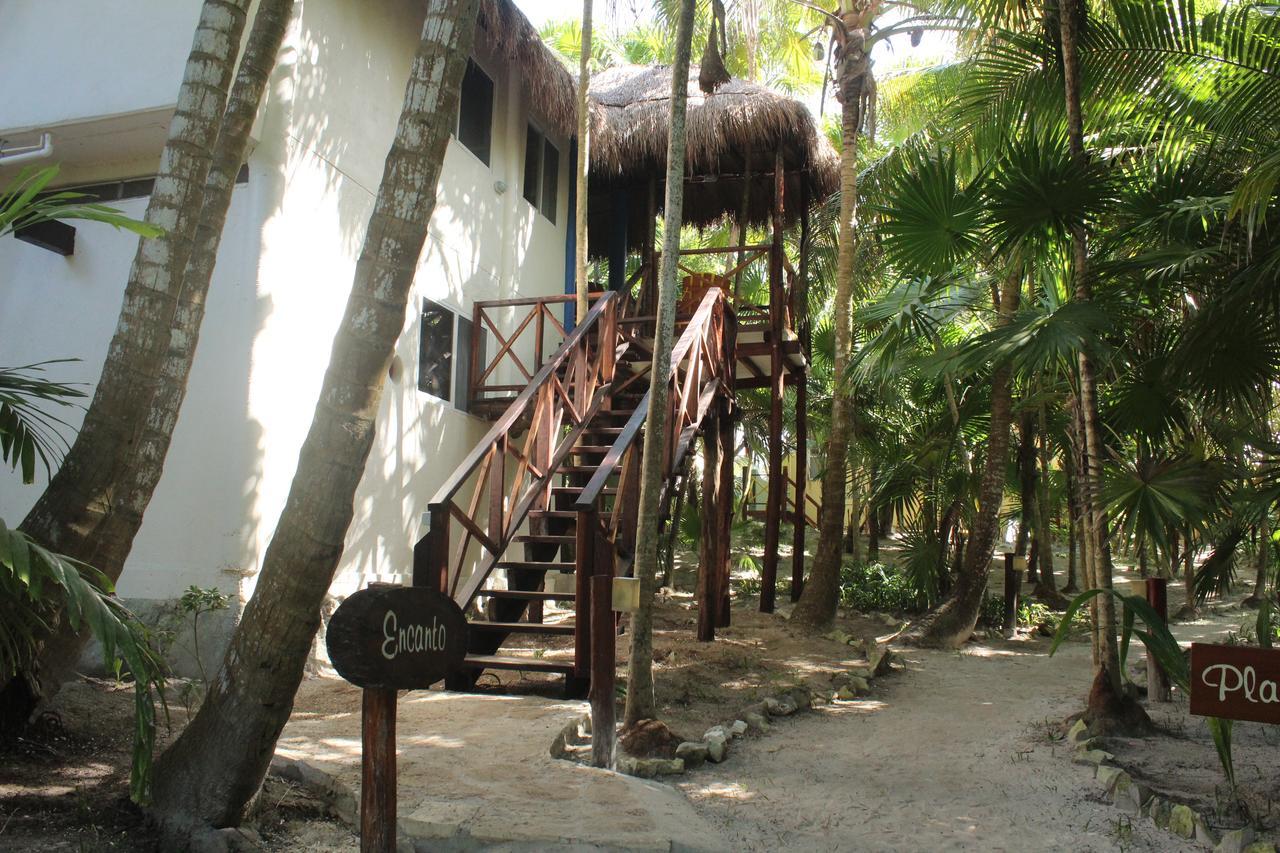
992	613
875	586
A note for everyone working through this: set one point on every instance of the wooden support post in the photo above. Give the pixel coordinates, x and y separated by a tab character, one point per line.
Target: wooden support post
607	343
1157	680
649	304
378	771
709	546
777	380
802	476
477	365
431	553
1012	586
584	568
725	512
603	649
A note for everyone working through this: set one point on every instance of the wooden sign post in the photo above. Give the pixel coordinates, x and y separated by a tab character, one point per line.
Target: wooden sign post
387	638
1235	683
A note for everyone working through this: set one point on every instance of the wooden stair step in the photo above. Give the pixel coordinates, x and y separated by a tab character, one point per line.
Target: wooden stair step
592	449
567	514
527	664
604	430
534	566
578	469
577	490
546	539
521	627
528	594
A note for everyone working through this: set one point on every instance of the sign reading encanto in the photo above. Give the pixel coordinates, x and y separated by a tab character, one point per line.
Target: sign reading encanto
1235	682
397	637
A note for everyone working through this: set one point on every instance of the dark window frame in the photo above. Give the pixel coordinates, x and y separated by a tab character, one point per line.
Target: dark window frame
541	177
447	369
482	149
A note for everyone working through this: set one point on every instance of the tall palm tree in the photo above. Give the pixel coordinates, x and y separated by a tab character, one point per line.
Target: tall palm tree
851	27
641	704
200	782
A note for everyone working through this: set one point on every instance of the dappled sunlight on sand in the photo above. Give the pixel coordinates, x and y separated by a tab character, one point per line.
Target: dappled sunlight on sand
992	652
855	706
431	741
722	790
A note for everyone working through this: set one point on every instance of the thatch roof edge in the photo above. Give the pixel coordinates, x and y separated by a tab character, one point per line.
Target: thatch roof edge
550	87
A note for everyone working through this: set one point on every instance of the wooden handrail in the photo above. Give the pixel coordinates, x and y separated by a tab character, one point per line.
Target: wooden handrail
713	305
558	409
520	404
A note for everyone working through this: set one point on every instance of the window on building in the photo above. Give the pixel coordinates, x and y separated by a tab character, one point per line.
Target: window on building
444	354
475	112
541	172
435	351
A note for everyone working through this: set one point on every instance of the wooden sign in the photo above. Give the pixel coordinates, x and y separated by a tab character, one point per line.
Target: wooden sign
1235	682
397	637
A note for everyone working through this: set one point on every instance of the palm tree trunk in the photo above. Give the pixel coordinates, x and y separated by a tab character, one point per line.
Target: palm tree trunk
265	39
1071	14
93	506
1261	565
1046	586
855	522
640	700
584	164
821	596
1073	528
199	782
1028	480
950	625
1188	578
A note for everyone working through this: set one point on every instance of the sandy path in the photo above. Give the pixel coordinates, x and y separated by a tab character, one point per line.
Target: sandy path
952	755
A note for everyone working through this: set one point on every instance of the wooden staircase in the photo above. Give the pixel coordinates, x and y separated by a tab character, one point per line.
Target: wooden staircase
554	486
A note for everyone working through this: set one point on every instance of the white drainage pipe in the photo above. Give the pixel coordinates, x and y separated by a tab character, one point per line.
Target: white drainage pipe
26	155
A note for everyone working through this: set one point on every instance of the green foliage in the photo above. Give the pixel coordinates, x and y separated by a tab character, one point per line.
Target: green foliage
194	602
877	587
992	612
39	588
27	431
36	584
26	200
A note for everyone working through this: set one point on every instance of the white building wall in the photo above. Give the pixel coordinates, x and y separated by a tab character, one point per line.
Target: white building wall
70	60
284	271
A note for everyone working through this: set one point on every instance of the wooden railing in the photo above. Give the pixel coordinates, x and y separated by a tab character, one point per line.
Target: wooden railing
702	367
756	507
557	411
520	353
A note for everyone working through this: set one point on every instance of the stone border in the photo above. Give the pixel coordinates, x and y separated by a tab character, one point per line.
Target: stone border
853	683
1137	799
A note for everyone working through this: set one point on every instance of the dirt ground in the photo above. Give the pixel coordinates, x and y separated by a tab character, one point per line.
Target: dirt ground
959	751
1180	759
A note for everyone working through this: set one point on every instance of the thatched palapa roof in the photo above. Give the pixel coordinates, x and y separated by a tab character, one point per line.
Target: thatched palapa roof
737	128
550	87
740	125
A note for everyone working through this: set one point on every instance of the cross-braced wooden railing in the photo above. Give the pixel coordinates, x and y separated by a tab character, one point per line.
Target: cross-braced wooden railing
702	365
756	507
520	353
470	528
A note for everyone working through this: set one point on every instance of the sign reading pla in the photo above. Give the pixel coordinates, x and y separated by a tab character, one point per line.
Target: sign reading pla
1235	682
397	637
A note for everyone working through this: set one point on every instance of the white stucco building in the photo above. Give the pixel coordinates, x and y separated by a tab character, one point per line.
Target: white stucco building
500	229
